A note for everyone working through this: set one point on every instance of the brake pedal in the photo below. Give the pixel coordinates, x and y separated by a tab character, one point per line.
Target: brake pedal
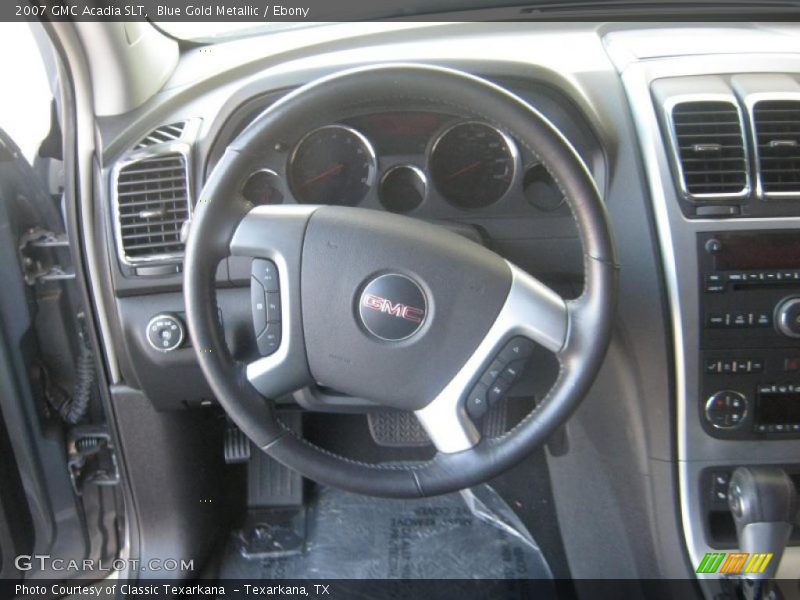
269	483
394	429
236	446
276	520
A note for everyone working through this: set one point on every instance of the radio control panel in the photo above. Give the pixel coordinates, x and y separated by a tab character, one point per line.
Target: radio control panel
749	292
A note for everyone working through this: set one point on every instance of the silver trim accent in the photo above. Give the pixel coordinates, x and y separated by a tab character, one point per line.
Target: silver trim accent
360	136
511	146
184	150
424	310
421	176
532	310
750	101
182	146
286	366
669	106
181	328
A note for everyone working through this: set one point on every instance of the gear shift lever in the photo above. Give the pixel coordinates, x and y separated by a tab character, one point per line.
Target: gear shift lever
763	501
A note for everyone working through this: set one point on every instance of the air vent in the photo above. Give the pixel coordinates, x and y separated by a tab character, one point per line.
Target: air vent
776	125
165	133
710	146
152	204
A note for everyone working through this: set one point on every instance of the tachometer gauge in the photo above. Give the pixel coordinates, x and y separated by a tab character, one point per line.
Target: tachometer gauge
473	164
332	165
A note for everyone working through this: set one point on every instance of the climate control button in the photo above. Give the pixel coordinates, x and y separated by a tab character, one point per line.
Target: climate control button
726	409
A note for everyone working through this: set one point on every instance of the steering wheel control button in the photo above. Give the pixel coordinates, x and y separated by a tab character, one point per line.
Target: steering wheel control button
269	341
477	404
726	409
392	307
266	273
165	332
498	390
258	300
502	373
518	347
265	297
273	307
514	369
493	372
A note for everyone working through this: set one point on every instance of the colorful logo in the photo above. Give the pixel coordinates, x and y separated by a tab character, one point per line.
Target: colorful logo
392	307
734	563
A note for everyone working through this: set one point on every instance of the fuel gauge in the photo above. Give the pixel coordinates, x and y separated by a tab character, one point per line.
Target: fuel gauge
263	187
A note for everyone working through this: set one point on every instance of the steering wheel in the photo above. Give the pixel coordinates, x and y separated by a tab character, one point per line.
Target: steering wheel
390	308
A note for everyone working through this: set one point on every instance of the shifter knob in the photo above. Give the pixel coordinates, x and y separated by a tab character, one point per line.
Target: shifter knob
763	502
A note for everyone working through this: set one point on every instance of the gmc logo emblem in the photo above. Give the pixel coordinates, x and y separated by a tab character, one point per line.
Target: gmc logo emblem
402	311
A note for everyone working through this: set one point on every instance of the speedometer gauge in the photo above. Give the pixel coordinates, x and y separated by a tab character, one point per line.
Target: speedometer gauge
332	165
473	164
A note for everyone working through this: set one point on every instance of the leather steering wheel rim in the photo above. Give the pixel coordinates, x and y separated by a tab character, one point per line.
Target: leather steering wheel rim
221	210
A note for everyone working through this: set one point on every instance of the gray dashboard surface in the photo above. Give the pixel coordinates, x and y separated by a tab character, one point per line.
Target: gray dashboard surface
623	442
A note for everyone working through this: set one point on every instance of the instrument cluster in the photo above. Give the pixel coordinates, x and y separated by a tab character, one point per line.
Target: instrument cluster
401	160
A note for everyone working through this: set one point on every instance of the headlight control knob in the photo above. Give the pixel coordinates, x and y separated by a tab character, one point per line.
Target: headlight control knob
165	332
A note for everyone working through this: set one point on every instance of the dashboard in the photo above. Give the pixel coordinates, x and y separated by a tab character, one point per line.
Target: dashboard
410	158
407	162
405	156
627	97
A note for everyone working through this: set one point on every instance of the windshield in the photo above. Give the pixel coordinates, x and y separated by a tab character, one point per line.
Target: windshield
191	22
244	20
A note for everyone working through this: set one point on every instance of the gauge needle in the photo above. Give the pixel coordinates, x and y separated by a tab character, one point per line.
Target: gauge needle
332	171
469	167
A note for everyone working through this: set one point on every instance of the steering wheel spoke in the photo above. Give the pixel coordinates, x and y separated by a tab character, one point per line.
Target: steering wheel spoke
531	313
273	237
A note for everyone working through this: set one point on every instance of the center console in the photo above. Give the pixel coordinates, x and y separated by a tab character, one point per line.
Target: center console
749	284
720	140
